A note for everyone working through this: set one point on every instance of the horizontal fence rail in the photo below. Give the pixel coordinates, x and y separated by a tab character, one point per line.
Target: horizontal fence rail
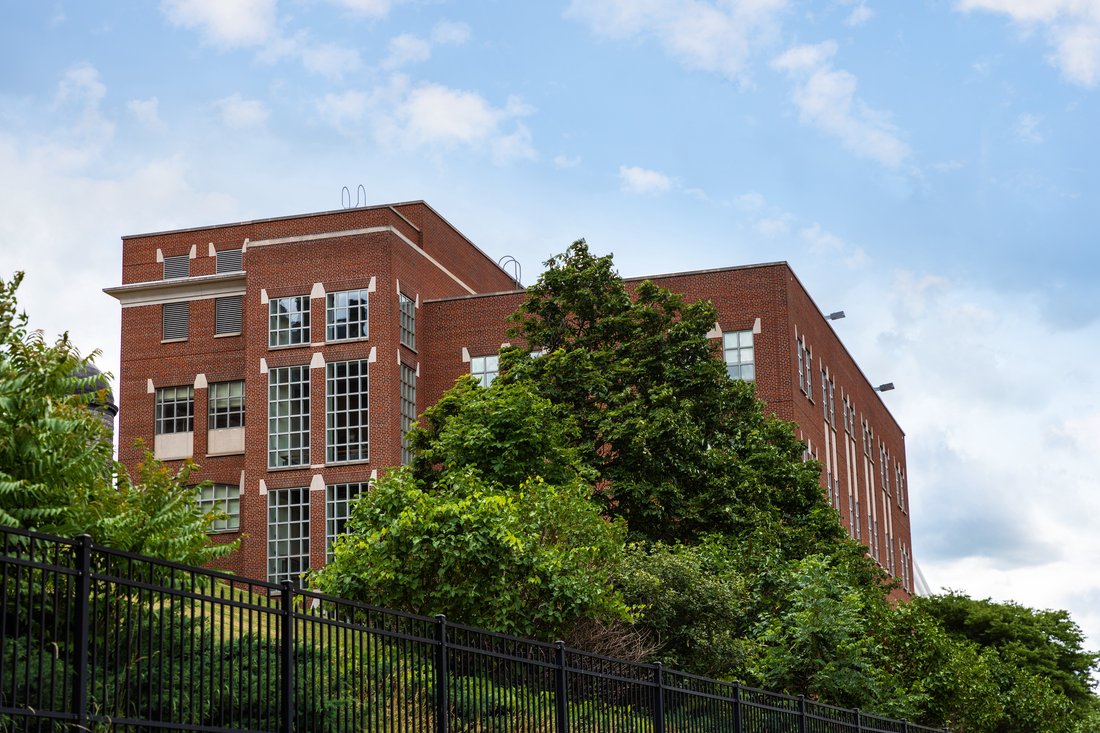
94	639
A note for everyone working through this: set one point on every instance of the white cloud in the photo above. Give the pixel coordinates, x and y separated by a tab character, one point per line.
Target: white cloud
563	161
826	98
407	49
428	115
229	23
1072	29
86	130
343	109
860	14
450	33
644	181
709	36
330	59
973	399
239	113
514	146
369	8
1027	128
146	111
773	226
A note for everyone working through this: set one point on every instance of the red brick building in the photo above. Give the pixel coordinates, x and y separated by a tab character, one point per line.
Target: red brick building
288	356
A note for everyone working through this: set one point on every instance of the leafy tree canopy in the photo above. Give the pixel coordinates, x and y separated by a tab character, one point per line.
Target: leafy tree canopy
679	449
493	525
57	472
1046	644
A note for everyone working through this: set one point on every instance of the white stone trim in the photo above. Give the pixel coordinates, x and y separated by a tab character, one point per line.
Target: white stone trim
200	381
317	291
178	290
465	355
317	361
317	483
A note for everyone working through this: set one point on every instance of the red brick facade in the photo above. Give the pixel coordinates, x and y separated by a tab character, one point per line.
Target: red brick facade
461	301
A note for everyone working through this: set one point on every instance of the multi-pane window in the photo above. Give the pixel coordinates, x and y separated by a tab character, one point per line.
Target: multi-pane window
227	314
338	501
224	500
287	534
408	409
288	416
229	260
288	321
177	266
825	394
408	320
884	467
347	417
738	352
808	368
900	480
832	403
800	347
346	315
175	320
225	401
175	410
485	369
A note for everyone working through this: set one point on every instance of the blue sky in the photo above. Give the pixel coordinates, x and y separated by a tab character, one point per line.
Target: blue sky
929	167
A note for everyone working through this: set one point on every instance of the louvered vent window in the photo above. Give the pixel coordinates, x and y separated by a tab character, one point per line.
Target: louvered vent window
227	314
229	260
178	266
176	317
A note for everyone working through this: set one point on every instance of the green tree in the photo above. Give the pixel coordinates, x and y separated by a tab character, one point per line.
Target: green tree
692	603
679	448
53	453
492	526
1037	659
57	473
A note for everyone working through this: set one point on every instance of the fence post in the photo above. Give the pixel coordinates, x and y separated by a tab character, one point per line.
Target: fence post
801	714
442	703
287	656
82	619
561	690
659	699
736	707
859	721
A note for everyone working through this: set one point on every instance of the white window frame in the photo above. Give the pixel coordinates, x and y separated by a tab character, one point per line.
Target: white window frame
288	412
169	402
407	308
347	411
338	502
225	499
339	302
287	534
740	357
408	410
289	326
485	368
225	404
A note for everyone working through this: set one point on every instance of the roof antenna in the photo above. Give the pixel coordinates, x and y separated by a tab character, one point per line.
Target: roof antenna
360	197
517	269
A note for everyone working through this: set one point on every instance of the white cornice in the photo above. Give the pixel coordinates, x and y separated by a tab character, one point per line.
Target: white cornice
200	287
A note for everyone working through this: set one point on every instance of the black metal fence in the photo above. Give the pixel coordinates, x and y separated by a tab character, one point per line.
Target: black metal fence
95	639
